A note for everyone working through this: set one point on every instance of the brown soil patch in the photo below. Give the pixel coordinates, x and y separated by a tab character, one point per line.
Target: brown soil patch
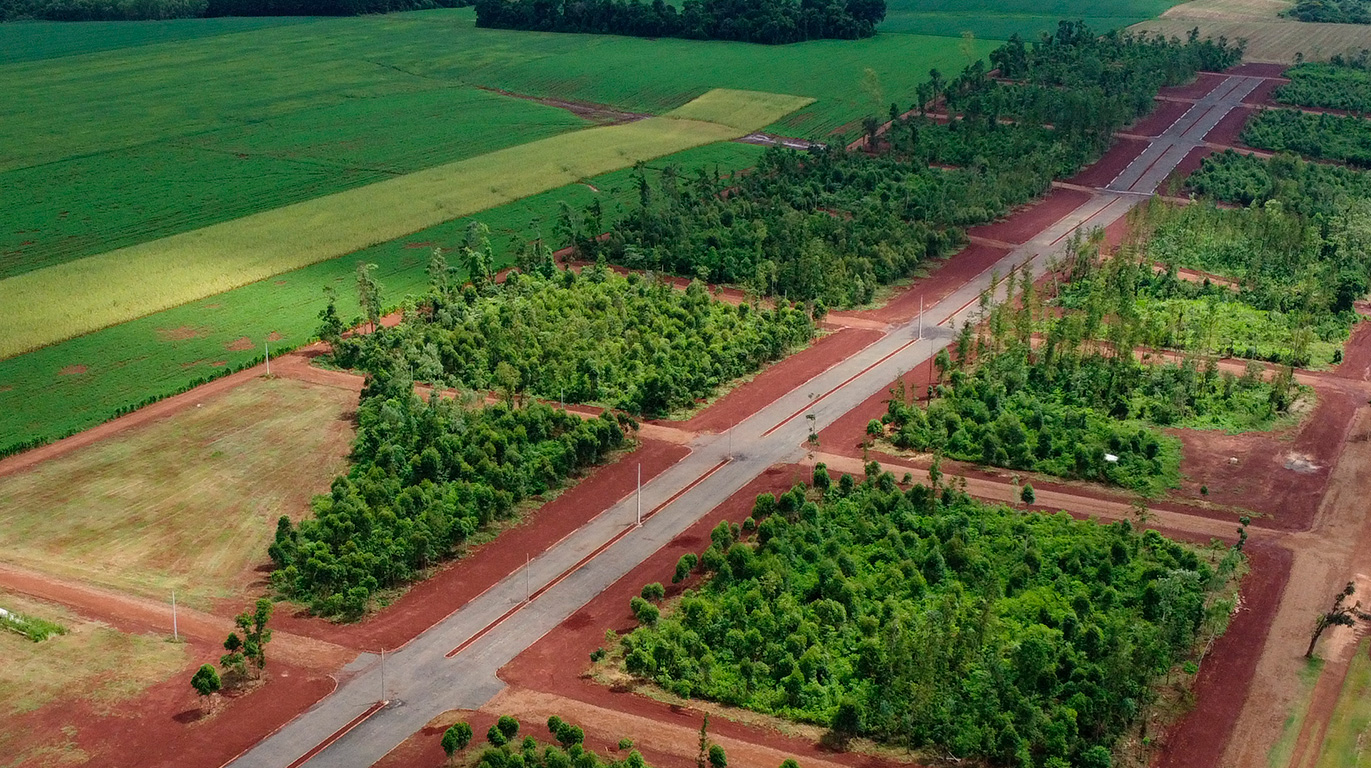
72	370
596	113
1262	94
1356	354
1230	128
273	336
1202	85
1185	167
947	276
1259	69
458	582
1164	114
1027	221
1107	168
241	344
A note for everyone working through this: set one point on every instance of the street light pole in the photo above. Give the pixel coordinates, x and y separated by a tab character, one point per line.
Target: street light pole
640	494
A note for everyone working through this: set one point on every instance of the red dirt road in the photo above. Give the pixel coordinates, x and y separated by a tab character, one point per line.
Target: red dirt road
1230	128
1163	115
1204	83
1119	156
947	276
1026	222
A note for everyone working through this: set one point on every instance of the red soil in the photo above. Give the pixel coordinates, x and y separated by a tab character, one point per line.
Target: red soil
1199	738
435	598
1230	128
1258	69
947	276
240	344
1026	222
1164	113
1185	167
1356	354
1204	83
1120	156
180	333
777	380
1262	95
72	370
554	664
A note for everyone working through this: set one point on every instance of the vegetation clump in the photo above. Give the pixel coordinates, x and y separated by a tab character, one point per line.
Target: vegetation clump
1342	82
1331	11
926	619
1340	138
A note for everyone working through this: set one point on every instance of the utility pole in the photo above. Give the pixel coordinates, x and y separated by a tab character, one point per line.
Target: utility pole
175	635
640	494
266	355
528	591
921	316
383	676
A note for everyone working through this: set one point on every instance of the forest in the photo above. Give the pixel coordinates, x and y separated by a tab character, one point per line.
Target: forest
137	10
426	476
1319	191
1331	11
928	620
831	226
632	343
1339	138
755	21
1340	83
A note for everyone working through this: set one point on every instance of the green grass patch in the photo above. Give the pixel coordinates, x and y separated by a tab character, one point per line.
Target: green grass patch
40	40
69	299
65	388
34	628
998	20
1281	751
1346	743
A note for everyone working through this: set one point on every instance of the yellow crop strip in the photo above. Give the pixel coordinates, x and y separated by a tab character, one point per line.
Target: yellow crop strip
66	300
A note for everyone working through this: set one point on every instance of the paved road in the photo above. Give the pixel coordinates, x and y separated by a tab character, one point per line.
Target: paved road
422	679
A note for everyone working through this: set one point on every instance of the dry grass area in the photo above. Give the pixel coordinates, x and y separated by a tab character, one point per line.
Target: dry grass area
187	503
90	662
1269	37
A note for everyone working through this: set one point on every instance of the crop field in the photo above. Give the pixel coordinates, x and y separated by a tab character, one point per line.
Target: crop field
1269	37
187	503
997	21
93	204
67	387
33	41
69	299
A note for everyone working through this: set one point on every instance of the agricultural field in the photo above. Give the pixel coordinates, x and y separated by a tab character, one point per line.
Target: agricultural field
187	503
77	297
64	388
1270	37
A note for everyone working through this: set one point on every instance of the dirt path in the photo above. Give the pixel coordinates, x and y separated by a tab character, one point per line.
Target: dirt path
132	614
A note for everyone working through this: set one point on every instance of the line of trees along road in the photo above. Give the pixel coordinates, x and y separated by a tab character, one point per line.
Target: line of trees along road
751	21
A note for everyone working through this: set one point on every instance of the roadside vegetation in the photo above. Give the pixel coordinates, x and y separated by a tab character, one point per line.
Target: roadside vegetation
924	619
1315	190
1338	138
1342	82
1331	11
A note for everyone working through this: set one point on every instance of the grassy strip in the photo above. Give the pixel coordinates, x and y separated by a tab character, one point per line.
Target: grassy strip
65	388
69	299
1283	749
1345	743
32	627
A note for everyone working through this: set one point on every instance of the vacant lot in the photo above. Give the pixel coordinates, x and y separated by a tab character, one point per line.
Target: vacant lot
188	503
77	297
91	662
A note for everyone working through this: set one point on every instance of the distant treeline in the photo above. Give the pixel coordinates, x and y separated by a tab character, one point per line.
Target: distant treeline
1332	11
133	10
752	21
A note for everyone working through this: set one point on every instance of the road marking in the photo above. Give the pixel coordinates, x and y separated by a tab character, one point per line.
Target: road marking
849	380
581	563
338	734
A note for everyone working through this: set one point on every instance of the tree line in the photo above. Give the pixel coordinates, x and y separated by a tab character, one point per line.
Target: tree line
923	618
751	21
1331	11
1314	190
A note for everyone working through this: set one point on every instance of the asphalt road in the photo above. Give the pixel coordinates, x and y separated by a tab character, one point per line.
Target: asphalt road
425	678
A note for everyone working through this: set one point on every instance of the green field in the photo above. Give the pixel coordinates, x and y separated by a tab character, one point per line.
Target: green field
1028	18
167	351
77	297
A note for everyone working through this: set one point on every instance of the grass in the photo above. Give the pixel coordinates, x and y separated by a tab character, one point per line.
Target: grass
90	662
1347	742
73	298
42	40
92	204
999	20
187	503
1283	749
165	352
1268	38
34	628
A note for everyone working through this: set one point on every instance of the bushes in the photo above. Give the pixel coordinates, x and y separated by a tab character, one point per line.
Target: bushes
1343	139
1309	189
1331	11
983	632
770	21
425	477
1337	84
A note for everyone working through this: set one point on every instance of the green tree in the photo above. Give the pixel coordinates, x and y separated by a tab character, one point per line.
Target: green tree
456	738
847	720
1026	495
509	726
369	293
717	757
1340	615
206	682
684	566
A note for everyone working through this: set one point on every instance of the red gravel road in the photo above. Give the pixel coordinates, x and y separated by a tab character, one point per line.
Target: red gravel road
1230	128
1259	69
1164	114
1120	156
1204	83
165	727
947	276
1262	95
1221	688
554	664
1027	221
433	599
776	380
